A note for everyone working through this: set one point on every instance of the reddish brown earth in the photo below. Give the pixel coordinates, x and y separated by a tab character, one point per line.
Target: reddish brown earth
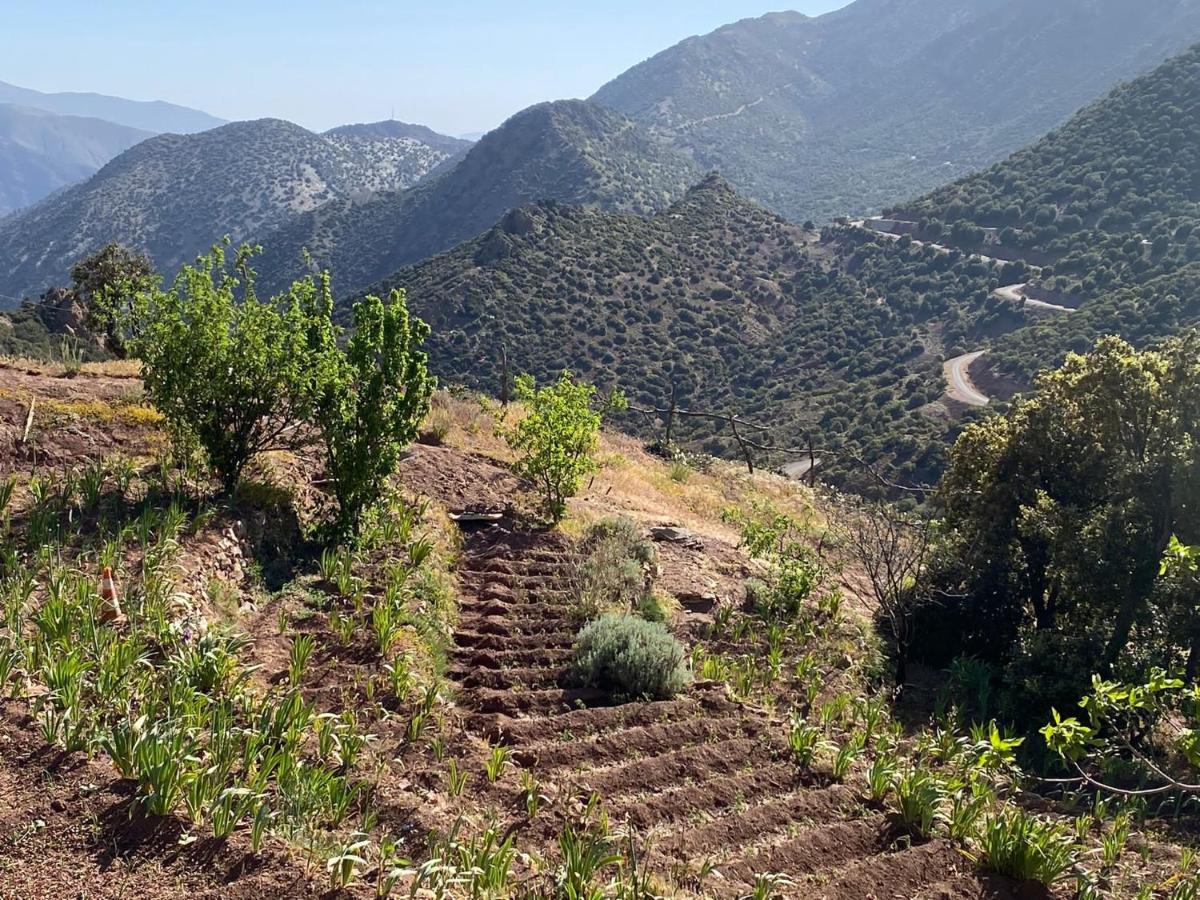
701	778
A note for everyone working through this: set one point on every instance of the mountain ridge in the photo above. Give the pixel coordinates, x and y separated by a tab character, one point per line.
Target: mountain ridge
173	195
867	105
567	150
147	115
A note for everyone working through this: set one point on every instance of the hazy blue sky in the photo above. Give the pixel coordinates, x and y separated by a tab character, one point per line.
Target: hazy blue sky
456	65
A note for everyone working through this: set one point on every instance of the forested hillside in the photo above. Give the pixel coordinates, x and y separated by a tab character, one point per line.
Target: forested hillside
743	312
1108	206
570	151
862	107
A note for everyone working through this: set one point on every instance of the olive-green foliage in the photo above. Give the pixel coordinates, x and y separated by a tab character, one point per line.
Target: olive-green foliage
1157	716
556	438
1108	205
630	658
220	363
616	571
792	576
1058	515
106	283
368	398
1018	844
731	304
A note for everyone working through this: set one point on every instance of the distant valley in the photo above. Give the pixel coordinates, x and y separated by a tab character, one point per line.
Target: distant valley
884	99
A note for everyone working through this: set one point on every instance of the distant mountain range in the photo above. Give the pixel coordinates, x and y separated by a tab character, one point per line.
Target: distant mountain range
173	195
154	116
884	99
41	152
569	150
48	141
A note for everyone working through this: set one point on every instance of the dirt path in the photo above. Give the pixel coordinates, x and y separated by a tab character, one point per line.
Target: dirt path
730	115
702	778
958	376
1015	293
940	248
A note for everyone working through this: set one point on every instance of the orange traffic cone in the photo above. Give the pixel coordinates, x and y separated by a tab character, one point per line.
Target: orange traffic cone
110	609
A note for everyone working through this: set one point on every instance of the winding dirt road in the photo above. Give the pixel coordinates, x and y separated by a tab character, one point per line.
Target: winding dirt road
958	376
1015	293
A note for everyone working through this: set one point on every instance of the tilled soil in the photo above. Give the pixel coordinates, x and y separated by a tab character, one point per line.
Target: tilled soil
702	779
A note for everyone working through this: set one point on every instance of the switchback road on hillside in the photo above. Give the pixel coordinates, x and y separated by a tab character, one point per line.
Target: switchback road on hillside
958	376
1015	293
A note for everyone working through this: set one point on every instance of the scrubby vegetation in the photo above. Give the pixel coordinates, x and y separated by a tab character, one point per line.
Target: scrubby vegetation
630	657
1057	518
1106	209
557	437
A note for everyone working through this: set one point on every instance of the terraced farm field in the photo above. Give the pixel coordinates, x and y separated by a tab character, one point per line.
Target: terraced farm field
707	783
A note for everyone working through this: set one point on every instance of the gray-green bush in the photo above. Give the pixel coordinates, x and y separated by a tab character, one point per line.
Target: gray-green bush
630	658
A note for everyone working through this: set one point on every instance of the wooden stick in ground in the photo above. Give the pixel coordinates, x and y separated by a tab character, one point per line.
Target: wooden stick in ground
29	420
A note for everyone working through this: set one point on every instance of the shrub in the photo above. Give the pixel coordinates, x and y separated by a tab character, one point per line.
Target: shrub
221	364
370	397
617	569
630	658
557	437
1014	843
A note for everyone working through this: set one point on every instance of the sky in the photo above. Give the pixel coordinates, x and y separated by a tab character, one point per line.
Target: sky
458	66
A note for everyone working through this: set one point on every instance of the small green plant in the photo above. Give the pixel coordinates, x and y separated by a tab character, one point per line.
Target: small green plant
71	357
920	801
456	778
1113	840
1018	844
557	437
344	865
301	649
531	790
630	658
769	885
496	763
804	740
880	776
845	757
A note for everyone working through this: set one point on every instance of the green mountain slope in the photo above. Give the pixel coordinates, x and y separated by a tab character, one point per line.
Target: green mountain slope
569	151
862	107
743	311
1108	207
174	195
41	152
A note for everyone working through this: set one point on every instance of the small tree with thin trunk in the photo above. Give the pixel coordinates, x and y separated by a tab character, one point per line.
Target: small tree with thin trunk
368	397
106	282
557	437
221	364
892	550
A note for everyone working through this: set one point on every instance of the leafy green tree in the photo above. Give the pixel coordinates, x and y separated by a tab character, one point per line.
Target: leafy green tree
106	282
1059	512
368	398
558	436
1146	733
221	364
